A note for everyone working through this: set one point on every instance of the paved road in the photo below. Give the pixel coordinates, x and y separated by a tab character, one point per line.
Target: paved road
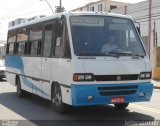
39	111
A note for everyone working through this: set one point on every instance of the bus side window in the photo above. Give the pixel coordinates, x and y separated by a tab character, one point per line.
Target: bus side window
35	40
29	47
22	48
35	48
62	48
22	38
12	36
11	42
16	46
11	48
39	47
47	40
7	49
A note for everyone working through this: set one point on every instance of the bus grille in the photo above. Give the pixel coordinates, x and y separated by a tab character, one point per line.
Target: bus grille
117	90
116	77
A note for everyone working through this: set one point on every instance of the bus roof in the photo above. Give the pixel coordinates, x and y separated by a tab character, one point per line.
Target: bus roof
69	14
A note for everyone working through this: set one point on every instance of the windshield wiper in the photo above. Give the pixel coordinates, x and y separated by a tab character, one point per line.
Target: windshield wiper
139	55
122	53
126	54
96	54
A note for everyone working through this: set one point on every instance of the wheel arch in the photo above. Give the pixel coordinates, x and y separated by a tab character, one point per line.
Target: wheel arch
54	83
16	78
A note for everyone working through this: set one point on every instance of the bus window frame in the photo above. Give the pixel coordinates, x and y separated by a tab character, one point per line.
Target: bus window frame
29	42
133	24
52	39
53	43
63	43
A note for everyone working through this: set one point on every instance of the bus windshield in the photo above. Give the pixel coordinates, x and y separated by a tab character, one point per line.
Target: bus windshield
103	36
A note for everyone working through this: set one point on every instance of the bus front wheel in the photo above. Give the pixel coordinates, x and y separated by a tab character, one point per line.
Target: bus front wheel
58	105
121	106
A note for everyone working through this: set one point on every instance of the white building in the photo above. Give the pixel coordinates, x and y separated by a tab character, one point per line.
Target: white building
101	6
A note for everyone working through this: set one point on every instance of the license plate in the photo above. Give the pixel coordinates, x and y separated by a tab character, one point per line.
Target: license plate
117	99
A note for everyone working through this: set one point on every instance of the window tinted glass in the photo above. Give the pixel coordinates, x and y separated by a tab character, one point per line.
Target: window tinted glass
22	35
11	36
99	36
62	48
36	32
11	48
35	48
22	48
47	40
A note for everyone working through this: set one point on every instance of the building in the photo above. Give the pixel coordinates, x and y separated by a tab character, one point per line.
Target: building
101	6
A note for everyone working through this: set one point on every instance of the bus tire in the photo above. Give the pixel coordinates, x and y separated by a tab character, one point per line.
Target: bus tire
58	105
121	106
20	92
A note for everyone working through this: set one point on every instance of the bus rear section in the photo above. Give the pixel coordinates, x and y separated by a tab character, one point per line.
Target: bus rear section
118	75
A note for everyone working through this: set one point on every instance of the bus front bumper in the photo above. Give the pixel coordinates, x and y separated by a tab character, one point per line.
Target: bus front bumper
101	94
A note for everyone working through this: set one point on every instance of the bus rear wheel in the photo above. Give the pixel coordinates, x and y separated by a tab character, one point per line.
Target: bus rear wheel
58	105
121	106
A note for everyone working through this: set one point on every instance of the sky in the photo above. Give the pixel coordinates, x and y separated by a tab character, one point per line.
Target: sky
12	9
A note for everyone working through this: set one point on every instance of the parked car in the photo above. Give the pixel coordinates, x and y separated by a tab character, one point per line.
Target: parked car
2	69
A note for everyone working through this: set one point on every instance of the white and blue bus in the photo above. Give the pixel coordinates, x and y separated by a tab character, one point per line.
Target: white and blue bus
60	58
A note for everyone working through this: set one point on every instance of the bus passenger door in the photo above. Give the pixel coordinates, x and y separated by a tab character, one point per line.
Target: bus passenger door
46	61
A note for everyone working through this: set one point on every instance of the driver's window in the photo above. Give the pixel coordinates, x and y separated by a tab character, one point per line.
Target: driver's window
62	46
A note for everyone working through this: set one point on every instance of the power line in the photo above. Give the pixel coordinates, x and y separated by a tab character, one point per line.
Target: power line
17	7
145	8
23	14
27	5
142	9
148	20
145	16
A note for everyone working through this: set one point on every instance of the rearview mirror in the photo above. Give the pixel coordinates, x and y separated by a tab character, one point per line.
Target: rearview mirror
137	24
59	26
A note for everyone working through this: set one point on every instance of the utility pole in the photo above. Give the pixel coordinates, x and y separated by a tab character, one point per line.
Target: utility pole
60	3
60	8
154	35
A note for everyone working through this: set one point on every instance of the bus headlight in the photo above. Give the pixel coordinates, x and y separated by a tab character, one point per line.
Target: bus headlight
145	75
83	77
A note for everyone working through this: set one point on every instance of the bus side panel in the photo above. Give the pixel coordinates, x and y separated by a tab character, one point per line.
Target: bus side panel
29	71
11	78
46	72
46	88
12	65
32	72
66	95
62	73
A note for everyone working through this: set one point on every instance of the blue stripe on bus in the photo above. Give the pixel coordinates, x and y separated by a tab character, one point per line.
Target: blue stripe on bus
16	62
